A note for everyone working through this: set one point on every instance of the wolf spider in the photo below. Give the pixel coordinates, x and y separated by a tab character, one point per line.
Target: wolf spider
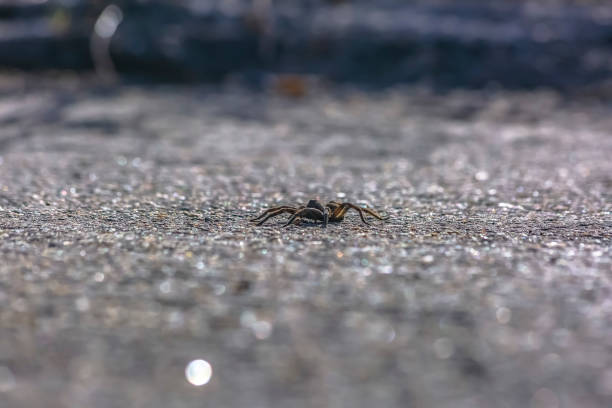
333	211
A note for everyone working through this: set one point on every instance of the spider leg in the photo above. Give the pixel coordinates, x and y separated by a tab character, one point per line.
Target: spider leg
339	211
332	208
269	210
290	210
347	206
374	214
332	205
311	213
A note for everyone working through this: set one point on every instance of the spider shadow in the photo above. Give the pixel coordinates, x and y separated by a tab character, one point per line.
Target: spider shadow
300	224
306	224
315	224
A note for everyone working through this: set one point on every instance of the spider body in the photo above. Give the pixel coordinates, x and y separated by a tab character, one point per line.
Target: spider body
333	211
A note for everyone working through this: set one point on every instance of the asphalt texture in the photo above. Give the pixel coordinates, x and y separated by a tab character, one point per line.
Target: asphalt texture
127	253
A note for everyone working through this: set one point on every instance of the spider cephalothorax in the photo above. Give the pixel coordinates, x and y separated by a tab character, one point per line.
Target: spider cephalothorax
332	212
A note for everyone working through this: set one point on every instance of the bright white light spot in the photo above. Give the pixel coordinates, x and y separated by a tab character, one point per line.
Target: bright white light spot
109	20
481	175
427	259
198	372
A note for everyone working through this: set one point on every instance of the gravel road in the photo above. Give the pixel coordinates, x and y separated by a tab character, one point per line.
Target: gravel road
126	251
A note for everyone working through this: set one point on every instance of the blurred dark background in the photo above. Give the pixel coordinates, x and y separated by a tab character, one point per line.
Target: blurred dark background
445	43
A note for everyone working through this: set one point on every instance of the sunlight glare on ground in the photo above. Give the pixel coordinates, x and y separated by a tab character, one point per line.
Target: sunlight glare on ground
198	372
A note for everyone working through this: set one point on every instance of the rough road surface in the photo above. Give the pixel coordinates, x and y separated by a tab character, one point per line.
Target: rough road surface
126	250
